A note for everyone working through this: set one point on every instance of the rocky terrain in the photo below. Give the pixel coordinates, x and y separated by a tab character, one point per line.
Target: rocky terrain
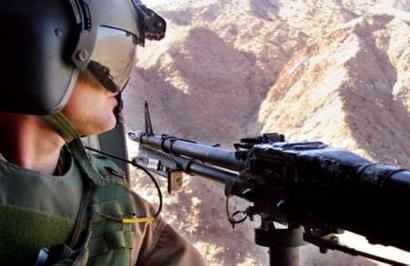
334	70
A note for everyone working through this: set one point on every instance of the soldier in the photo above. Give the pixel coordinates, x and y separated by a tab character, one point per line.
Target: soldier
64	65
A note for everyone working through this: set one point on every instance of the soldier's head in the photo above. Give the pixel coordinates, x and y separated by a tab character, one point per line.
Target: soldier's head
73	56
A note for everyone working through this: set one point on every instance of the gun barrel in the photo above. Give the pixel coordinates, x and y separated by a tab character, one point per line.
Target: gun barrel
400	181
217	156
209	172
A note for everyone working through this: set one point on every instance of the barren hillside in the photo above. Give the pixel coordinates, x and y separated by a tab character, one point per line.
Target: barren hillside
355	79
333	70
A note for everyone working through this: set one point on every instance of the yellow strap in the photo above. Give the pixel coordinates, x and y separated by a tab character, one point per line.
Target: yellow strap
138	220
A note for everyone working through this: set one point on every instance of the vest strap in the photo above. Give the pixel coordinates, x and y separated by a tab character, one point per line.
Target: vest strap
70	135
95	186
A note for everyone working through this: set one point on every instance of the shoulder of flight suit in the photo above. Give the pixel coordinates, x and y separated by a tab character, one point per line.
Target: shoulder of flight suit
157	243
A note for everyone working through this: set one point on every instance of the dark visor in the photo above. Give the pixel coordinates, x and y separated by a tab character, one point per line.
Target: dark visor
113	58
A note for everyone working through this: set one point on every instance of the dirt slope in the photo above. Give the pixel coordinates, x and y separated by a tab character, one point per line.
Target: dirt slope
333	70
350	89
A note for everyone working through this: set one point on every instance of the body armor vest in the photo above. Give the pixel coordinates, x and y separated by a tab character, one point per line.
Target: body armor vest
104	238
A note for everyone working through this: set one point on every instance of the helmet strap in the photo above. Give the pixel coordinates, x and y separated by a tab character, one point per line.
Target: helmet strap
62	125
73	140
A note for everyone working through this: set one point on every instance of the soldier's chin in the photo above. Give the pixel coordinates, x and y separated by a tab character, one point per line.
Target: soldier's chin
110	124
103	126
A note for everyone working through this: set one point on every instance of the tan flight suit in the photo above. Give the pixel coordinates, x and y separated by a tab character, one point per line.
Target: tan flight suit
156	243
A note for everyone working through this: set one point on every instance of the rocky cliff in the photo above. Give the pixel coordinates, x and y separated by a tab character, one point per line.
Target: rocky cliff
333	70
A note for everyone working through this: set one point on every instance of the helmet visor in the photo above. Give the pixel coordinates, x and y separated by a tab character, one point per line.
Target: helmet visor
113	58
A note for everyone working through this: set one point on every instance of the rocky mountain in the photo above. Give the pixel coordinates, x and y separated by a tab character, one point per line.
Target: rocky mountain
334	70
355	79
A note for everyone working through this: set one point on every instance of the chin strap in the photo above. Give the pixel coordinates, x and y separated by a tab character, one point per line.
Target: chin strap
70	135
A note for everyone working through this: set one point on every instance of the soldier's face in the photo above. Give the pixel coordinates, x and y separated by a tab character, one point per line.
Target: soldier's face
90	108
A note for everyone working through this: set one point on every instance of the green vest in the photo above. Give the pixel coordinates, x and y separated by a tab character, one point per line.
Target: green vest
35	211
38	211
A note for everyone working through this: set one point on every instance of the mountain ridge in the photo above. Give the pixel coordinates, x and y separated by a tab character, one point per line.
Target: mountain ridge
335	71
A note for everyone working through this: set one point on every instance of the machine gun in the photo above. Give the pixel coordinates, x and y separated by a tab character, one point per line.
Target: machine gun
316	190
